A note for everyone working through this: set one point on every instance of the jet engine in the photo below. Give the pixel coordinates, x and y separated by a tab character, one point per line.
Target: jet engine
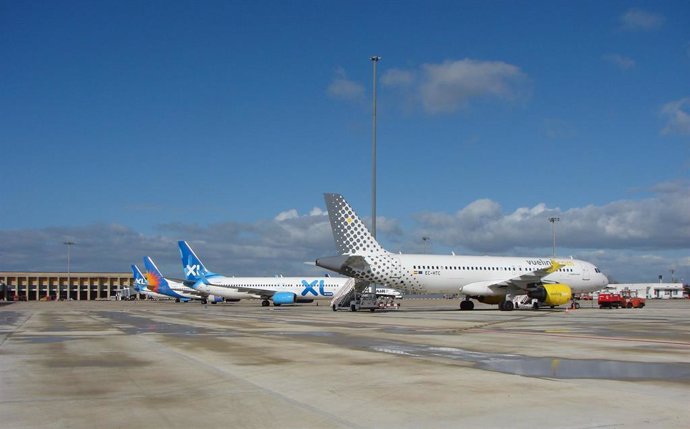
213	299
552	294
490	299
289	298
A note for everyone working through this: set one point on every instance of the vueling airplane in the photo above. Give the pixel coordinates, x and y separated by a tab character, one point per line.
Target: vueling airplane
140	285
157	283
488	279
280	290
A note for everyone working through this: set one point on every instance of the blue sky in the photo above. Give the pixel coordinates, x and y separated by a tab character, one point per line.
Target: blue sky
126	126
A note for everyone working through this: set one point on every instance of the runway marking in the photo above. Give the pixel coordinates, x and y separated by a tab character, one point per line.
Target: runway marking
588	337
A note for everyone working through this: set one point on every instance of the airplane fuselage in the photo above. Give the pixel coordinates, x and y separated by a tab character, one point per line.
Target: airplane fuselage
419	273
304	288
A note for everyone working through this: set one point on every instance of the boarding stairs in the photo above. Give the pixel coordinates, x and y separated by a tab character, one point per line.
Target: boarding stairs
344	296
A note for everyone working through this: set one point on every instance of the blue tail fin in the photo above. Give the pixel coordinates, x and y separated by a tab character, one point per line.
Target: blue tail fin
154	278
139	279
194	269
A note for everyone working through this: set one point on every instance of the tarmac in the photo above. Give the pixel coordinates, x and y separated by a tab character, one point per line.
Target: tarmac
129	364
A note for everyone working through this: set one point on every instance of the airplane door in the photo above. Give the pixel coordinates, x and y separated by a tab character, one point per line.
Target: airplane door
585	273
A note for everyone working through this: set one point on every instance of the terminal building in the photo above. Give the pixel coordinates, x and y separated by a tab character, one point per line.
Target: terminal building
650	290
33	286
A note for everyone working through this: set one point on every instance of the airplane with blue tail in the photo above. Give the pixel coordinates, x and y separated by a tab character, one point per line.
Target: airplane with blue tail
159	284
141	286
280	290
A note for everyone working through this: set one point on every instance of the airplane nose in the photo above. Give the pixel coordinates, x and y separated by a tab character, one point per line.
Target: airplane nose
604	280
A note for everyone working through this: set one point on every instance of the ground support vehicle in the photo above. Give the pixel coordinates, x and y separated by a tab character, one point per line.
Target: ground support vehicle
609	300
631	300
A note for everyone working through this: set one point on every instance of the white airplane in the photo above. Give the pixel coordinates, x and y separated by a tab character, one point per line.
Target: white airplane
141	286
157	283
280	290
488	279
388	292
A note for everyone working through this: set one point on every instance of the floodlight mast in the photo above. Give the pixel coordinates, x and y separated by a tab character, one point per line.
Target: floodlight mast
553	221
69	244
374	60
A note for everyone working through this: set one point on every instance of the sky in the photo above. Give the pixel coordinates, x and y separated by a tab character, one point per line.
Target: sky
126	126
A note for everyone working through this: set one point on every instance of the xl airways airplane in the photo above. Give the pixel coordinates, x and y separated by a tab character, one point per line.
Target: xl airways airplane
159	284
488	279
141	285
280	290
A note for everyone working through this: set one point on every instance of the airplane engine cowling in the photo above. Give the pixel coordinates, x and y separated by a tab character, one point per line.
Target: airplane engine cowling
491	299
283	298
214	298
552	294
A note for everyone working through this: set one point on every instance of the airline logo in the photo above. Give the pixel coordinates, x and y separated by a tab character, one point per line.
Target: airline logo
192	270
310	288
154	281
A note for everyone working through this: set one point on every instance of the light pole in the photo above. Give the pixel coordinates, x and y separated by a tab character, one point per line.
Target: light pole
553	221
426	239
69	245
374	60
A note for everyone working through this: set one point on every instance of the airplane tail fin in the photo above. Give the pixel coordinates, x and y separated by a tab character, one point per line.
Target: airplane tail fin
154	278
194	269
139	279
351	235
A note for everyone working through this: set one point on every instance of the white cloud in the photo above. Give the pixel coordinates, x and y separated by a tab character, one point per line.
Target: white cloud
620	61
344	88
317	211
661	222
288	214
631	239
677	115
448	86
397	77
640	20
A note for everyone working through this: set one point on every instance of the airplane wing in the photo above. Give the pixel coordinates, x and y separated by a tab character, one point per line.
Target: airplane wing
263	293
520	282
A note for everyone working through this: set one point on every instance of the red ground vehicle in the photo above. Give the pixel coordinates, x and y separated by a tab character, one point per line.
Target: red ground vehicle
631	300
610	300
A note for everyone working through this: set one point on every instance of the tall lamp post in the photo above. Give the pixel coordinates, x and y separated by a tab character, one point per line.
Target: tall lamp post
374	60
69	245
427	240
553	221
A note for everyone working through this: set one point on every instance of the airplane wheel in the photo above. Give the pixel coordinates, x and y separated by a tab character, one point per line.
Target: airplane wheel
508	306
466	305
264	303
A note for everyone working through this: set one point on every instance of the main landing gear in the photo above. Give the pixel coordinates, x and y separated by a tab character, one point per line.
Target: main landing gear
506	305
265	303
466	305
